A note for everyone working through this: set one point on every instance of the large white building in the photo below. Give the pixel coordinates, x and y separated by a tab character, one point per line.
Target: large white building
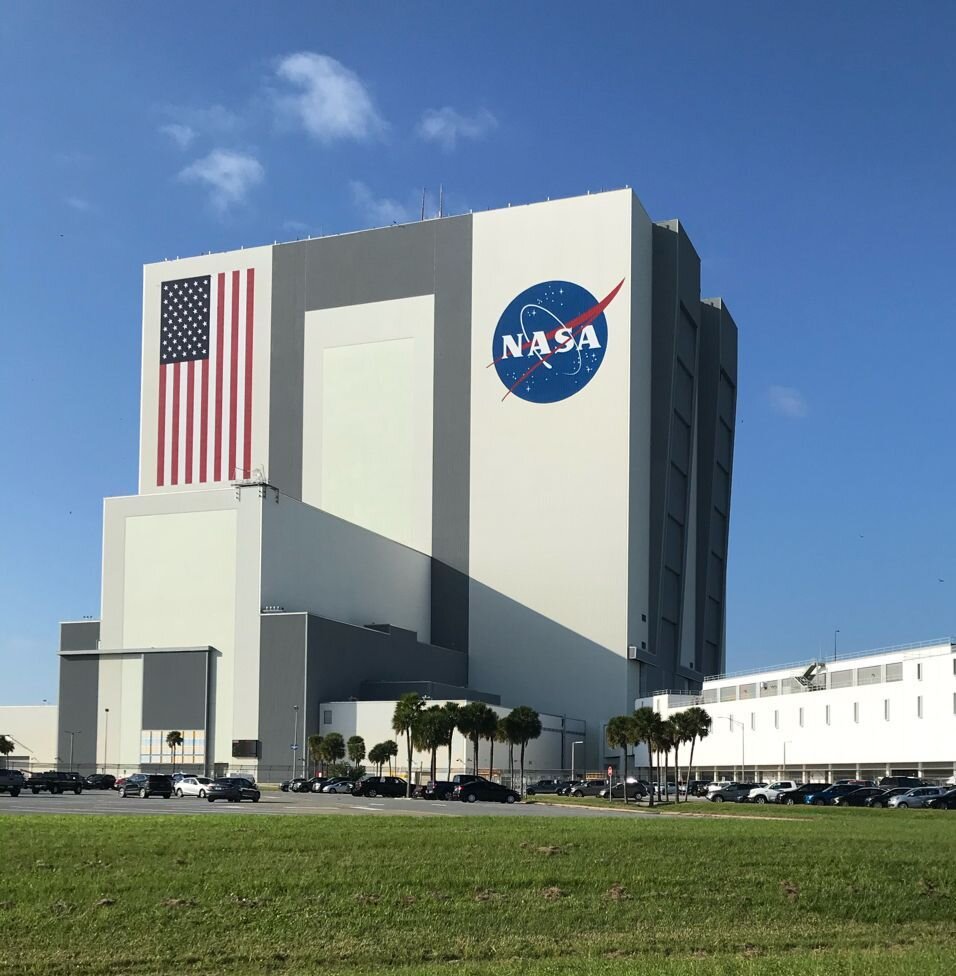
866	715
488	454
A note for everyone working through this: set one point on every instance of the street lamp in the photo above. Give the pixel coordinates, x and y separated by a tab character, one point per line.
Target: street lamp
72	736
106	739
295	738
743	763
580	742
837	631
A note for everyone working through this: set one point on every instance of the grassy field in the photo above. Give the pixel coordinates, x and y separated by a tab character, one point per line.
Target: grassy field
845	892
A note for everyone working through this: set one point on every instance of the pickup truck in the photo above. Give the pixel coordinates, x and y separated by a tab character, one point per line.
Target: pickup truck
768	794
55	782
11	781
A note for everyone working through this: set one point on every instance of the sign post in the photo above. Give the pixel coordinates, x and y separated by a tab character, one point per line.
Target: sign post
610	783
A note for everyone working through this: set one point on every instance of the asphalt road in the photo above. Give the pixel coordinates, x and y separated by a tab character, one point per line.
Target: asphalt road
305	804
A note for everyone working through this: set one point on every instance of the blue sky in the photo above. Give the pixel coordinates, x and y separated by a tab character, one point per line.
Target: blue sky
809	151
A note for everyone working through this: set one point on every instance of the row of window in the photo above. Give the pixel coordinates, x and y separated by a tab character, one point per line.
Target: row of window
801	714
154	748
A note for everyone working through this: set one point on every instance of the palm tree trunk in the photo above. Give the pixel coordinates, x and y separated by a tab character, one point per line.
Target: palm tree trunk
491	759
650	773
475	743
408	782
511	763
690	762
667	757
676	775
434	763
450	739
624	751
522	769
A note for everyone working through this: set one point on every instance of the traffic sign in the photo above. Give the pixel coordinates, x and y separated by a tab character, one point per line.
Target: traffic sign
610	771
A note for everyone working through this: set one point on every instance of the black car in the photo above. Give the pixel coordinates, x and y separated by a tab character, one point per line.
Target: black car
910	782
483	789
299	784
945	802
11	781
636	790
547	786
145	785
859	797
437	790
232	788
55	782
100	781
380	786
796	795
697	787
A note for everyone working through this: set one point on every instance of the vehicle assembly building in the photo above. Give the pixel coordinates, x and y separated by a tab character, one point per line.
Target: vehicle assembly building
486	456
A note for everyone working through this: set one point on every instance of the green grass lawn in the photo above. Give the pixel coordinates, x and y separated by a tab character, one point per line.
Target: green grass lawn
856	892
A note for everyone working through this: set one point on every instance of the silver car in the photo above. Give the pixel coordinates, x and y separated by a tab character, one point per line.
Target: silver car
917	797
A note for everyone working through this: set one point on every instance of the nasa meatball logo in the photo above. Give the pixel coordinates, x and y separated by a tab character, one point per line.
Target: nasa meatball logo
550	341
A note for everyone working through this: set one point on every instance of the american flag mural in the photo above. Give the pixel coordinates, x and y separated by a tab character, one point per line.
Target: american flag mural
204	417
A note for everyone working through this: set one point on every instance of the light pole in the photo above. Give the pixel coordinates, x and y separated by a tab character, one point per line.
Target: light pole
837	631
72	736
789	742
295	739
106	739
743	761
580	742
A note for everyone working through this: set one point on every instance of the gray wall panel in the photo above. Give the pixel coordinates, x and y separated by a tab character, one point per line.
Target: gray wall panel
79	635
282	676
78	711
174	690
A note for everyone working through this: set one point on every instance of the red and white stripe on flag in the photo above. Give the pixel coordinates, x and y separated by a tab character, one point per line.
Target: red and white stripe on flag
204	412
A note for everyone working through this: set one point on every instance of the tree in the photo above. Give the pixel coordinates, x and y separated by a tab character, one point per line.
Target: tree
681	735
697	724
646	729
407	710
669	739
477	721
428	733
510	733
501	735
391	751
356	749
450	712
333	747
315	750
378	755
174	740
620	735
6	747
526	725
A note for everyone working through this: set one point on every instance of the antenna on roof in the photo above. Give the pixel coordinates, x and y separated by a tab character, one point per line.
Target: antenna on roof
423	202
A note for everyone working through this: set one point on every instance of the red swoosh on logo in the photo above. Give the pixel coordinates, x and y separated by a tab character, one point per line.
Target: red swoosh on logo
575	325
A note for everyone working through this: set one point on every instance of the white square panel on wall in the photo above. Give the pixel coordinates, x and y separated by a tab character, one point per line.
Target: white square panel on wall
368	416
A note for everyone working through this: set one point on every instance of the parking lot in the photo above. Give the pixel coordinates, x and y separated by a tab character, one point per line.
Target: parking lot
307	804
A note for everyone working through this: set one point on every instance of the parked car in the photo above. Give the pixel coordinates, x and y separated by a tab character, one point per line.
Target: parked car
438	790
232	788
796	795
11	781
769	794
193	786
910	782
591	787
373	786
341	784
731	792
546	786
945	802
55	782
882	797
854	782
918	797
635	790
248	777
826	797
99	781
859	797
299	784
697	787
145	785
480	788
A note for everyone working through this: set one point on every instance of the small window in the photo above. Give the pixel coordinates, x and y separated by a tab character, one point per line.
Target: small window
800	717
776	716
856	711
919	706
326	716
828	714
753	721
919	672
886	709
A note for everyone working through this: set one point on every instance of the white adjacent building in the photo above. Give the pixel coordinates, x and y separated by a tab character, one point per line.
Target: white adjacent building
877	713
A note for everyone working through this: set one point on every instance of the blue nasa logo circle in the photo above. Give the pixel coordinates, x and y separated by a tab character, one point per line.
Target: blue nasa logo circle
550	341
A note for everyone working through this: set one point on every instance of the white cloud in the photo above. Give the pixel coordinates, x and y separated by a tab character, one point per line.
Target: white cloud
788	401
228	175
379	211
446	126
331	102
180	133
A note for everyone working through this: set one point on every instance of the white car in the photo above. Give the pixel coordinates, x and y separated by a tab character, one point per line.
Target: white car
193	786
768	794
717	784
917	797
338	786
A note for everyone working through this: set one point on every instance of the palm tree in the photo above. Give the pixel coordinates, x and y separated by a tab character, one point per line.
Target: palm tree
472	721
698	724
450	712
390	747
510	730
174	740
314	744
487	729
407	709
376	757
620	735
6	747
501	735
647	730
333	747
525	725
669	741
681	735
428	733
356	749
